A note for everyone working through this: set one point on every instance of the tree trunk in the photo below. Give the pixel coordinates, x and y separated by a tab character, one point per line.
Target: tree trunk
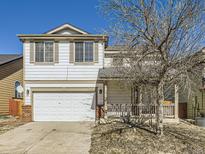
159	116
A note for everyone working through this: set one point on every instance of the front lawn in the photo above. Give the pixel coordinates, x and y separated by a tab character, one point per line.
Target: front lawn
120	138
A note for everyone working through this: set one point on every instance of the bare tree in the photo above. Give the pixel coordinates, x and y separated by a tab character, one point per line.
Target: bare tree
161	39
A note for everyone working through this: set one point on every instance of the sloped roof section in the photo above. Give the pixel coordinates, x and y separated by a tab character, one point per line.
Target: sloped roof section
115	48
110	72
5	58
62	29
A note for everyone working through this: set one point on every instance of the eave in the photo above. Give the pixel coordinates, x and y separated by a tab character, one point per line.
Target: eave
94	37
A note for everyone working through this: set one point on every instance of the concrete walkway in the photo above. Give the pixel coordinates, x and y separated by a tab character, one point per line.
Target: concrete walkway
48	138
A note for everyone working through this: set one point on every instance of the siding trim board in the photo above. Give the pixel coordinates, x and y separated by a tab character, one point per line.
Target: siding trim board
102	38
64	89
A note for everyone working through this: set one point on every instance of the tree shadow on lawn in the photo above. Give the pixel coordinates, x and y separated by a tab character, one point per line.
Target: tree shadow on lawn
126	138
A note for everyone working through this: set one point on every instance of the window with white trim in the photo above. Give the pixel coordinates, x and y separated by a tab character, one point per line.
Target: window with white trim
44	51
84	51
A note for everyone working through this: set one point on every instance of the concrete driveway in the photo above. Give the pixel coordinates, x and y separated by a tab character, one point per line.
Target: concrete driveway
48	137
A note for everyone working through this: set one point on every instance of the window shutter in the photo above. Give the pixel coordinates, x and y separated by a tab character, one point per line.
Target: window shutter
96	52
32	52
71	59
56	56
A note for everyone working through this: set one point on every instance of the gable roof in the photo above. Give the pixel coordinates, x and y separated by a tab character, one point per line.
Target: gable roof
6	58
65	31
66	26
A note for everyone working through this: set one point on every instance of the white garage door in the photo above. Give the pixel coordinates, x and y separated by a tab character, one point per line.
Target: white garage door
63	106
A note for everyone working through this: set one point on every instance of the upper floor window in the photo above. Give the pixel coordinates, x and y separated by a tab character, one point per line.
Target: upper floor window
84	51
44	51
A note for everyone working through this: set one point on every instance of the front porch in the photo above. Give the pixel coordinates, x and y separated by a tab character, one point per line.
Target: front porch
121	101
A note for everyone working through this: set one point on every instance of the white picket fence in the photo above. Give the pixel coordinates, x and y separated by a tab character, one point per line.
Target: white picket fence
119	110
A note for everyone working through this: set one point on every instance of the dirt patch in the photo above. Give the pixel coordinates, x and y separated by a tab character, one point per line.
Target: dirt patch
8	122
114	138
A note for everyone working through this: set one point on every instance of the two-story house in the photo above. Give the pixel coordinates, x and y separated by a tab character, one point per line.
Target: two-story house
67	75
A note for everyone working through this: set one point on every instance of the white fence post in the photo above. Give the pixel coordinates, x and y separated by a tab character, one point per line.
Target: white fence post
105	100
176	101
161	116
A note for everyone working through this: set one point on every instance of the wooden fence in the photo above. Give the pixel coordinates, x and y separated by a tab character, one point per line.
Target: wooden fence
15	107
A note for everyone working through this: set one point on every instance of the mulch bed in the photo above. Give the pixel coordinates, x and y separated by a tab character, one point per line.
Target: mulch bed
8	122
114	138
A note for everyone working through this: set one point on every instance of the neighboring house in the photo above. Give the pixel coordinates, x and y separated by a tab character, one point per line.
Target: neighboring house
66	74
11	76
196	104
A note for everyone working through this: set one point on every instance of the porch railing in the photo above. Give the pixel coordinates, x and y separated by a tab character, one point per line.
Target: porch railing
119	110
168	111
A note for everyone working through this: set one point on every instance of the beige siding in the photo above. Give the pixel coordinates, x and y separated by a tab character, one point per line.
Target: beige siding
191	104
7	90
189	109
118	93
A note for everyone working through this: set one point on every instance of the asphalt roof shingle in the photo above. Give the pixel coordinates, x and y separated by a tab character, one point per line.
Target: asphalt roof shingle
5	58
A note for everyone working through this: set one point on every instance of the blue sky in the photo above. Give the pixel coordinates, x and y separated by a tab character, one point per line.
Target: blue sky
38	16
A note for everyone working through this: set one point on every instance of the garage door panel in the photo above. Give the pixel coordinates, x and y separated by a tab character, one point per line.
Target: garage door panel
64	106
